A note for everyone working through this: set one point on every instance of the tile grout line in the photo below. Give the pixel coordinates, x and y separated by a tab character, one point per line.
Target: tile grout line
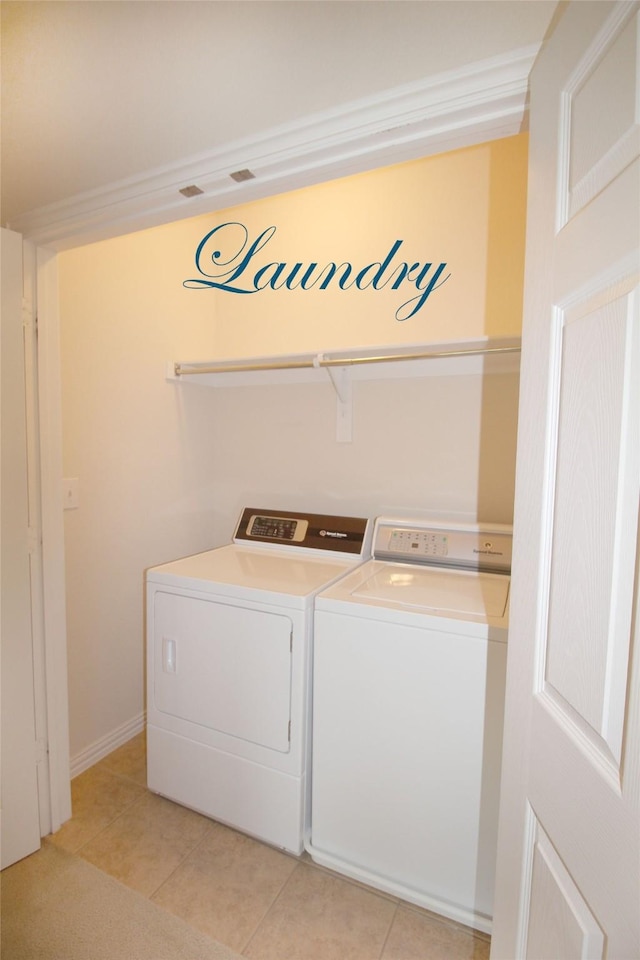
197	844
123	776
270	908
151	895
359	884
106	826
388	933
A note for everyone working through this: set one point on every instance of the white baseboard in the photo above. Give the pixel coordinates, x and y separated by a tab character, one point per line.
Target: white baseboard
101	748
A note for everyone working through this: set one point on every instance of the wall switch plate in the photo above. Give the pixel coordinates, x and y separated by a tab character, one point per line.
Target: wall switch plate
70	498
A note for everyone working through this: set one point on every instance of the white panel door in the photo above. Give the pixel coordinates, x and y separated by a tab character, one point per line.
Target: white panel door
568	875
20	824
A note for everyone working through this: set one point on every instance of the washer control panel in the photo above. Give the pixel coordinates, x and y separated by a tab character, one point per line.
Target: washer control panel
477	546
419	543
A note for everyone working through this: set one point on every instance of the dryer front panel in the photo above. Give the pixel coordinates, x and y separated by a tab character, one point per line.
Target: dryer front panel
224	667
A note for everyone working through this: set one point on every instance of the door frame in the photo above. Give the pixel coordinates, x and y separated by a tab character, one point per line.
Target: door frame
51	640
30	327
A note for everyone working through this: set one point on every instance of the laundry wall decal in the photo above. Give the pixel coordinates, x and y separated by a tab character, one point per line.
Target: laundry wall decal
227	259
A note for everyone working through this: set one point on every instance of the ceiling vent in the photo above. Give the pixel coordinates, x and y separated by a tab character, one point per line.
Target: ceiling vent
241	175
191	191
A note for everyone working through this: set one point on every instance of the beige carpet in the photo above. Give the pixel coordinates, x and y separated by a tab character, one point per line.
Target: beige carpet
56	906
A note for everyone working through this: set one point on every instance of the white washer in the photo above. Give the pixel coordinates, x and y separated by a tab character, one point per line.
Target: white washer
228	669
409	672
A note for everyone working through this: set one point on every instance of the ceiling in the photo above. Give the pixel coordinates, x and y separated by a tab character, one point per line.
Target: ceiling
97	94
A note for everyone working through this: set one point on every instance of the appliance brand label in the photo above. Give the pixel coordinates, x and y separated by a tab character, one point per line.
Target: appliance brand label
333	533
227	259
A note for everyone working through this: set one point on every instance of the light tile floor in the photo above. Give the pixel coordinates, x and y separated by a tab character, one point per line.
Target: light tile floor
261	902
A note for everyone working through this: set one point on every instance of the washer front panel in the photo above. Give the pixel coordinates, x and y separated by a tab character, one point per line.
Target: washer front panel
407	727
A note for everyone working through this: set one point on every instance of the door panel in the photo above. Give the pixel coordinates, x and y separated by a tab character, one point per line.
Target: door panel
595	510
604	87
568	875
574	933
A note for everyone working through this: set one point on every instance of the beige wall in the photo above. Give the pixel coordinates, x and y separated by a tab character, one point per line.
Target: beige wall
440	445
465	209
164	468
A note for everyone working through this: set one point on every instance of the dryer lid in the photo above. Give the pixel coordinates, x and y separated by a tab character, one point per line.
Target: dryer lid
446	592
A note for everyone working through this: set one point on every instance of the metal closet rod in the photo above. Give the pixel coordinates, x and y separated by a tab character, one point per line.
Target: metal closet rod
319	361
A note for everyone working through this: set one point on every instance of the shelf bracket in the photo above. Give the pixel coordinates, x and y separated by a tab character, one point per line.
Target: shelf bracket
343	386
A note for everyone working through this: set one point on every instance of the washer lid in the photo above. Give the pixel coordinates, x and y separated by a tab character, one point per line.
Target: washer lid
440	591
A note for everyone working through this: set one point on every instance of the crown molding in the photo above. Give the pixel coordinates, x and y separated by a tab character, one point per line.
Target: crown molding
483	101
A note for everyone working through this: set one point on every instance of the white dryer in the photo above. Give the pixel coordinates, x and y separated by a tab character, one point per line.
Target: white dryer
228	669
409	674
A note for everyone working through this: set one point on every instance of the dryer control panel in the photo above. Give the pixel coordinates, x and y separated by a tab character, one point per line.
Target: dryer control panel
312	531
277	528
471	547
